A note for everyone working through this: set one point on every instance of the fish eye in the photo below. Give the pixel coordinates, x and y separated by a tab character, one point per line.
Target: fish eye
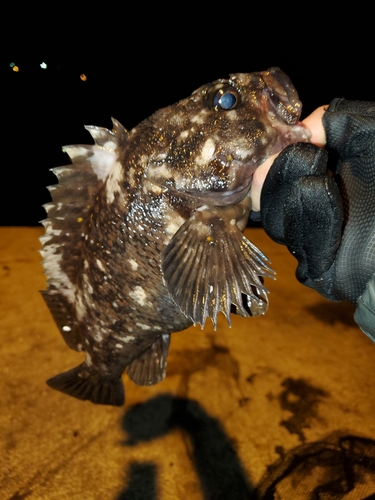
225	99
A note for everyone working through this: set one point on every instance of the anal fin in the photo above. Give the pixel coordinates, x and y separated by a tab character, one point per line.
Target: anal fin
65	319
150	367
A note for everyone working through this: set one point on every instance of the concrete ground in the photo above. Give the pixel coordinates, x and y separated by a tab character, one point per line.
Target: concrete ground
281	406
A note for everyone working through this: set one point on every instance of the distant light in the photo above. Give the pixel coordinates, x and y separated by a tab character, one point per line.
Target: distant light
83	77
14	67
43	65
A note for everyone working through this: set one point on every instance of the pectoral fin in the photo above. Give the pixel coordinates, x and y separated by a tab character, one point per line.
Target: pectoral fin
210	265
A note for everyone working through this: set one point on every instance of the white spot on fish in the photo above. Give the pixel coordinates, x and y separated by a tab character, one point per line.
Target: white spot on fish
207	152
88	359
110	145
184	134
200	117
208	149
103	162
66	328
143	326
45	238
131	176
177	119
172	222
172	228
159	157
114	181
80	307
128	339
133	264
48	206
232	114
100	265
98	336
242	153
118	346
87	284
139	295
52	259
101	159
154	188
158	171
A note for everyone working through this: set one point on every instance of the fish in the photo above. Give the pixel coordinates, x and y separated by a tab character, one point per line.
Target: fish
144	230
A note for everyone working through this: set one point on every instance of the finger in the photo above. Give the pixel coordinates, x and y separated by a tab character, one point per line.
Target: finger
318	137
315	124
258	180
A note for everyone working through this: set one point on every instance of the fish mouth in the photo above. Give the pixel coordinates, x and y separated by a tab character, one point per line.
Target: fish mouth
220	198
281	96
217	190
229	195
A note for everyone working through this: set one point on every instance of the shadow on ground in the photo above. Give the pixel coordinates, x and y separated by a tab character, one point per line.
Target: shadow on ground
330	468
218	467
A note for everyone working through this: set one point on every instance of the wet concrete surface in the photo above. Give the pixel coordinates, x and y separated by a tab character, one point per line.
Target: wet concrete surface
238	404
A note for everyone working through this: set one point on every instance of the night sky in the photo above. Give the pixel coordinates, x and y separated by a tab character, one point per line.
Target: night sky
132	74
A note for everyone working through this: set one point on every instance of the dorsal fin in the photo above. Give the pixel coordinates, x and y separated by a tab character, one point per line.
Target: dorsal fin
68	217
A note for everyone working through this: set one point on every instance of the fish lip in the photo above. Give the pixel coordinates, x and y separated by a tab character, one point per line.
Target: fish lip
282	96
217	198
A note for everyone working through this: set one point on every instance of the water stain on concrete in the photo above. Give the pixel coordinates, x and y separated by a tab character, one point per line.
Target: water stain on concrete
302	400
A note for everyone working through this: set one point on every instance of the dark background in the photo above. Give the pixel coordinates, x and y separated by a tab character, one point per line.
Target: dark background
136	65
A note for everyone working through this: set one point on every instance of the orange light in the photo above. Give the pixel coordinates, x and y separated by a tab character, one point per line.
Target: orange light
16	69
83	77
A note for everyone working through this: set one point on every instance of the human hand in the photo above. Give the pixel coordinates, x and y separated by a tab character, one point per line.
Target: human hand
326	218
318	137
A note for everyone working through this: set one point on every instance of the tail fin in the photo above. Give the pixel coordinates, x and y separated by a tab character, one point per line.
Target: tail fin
81	384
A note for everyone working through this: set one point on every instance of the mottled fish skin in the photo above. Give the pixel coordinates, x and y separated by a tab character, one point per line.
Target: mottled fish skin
144	235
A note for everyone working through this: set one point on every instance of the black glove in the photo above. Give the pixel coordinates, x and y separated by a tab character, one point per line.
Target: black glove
320	203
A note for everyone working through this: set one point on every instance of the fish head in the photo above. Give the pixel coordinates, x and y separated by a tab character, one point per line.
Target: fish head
210	144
